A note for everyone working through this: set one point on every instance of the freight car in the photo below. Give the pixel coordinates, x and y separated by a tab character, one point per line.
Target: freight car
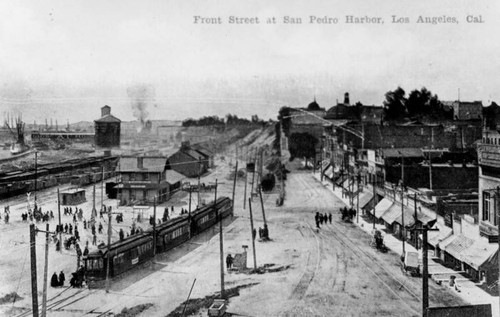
138	249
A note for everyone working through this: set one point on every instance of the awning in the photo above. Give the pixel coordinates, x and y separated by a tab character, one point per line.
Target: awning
364	198
392	214
423	218
458	245
324	164
350	185
409	217
479	253
381	207
436	237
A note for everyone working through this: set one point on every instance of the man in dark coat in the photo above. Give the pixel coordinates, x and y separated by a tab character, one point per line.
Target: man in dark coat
229	261
122	235
62	278
53	280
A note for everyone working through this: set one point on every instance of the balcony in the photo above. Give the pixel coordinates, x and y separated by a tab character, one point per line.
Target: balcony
489	154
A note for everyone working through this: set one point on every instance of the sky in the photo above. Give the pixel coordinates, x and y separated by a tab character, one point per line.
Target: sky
65	59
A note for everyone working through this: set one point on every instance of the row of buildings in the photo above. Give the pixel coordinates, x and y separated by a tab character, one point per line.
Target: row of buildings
153	179
404	175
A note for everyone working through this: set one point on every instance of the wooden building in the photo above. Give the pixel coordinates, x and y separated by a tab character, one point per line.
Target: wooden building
72	196
107	129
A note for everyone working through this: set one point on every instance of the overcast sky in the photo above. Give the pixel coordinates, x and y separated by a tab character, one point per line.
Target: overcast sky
66	59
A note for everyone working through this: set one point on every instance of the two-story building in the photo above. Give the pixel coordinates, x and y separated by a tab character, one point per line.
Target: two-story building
142	179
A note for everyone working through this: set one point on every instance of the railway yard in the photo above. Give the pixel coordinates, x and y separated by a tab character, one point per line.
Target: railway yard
328	272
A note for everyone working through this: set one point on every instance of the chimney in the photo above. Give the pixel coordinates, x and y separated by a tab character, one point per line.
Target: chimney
140	162
346	98
105	110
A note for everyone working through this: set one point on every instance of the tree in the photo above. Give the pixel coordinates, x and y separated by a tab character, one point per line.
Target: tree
394	104
358	110
302	145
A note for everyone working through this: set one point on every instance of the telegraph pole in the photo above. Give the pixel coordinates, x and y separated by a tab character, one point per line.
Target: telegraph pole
189	214
430	172
199	175
102	185
374	199
253	239
45	269
34	288
234	186
262	206
403	219
109	249
154	228
246	181
60	226
415	202
357	199
221	243
253	174
36	176
497	201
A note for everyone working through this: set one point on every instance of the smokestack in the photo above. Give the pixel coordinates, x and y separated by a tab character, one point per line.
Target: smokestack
346	98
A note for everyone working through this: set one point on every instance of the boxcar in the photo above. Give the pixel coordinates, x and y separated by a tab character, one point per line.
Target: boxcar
124	255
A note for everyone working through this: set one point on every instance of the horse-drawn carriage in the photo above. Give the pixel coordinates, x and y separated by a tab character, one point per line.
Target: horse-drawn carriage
378	241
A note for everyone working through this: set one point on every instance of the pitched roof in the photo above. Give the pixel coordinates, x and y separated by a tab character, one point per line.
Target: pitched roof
479	253
458	245
149	164
108	118
382	207
173	177
194	154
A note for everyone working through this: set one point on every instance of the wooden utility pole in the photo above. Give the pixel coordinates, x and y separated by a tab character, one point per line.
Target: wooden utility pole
45	269
154	228
497	214
234	187
36	176
357	199
415	202
189	214
253	239
60	225
425	278
374	200
245	192
34	288
403	231
221	243
430	171
262	206
102	185
199	180
94	211
109	249
253	174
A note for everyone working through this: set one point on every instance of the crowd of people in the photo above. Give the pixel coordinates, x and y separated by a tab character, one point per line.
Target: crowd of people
320	218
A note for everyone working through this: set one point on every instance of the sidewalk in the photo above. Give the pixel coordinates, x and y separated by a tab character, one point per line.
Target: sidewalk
468	289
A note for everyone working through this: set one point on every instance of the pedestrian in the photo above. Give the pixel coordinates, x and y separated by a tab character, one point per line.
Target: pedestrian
93	229
85	224
254	233
265	232
85	252
66	228
77	234
51	215
121	234
229	261
62	278
100	227
330	218
53	280
94	239
70	229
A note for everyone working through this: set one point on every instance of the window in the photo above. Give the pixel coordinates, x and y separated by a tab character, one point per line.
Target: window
486	206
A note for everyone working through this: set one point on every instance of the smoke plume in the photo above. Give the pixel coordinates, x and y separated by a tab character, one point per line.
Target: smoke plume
141	96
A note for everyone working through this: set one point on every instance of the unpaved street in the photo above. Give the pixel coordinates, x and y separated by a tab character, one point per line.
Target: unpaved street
330	272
